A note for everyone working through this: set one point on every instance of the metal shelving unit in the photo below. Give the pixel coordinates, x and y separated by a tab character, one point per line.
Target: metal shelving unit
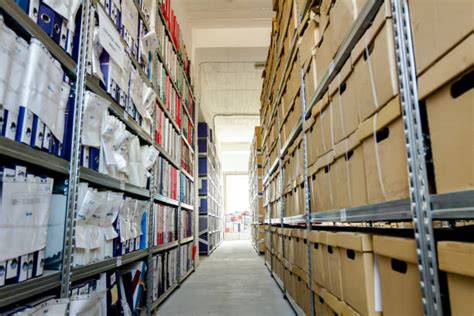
61	280
211	194
421	208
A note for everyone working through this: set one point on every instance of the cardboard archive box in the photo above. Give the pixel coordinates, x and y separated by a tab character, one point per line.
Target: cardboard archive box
446	90
349	174
319	266
300	243
345	118
322	130
438	25
309	129
357	266
309	39
399	277
311	79
333	259
385	159
301	288
289	249
320	180
457	259
292	118
375	72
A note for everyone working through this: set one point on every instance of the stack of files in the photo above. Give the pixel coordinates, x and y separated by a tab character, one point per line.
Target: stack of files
47	305
59	19
109	148
166	178
25	204
186	190
111	64
132	286
108	224
187	158
164	223
186	223
165	272
31	112
165	134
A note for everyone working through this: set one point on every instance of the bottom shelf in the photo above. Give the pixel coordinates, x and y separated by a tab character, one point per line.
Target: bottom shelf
168	292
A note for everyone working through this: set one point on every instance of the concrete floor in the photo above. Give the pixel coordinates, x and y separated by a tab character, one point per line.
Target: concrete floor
232	281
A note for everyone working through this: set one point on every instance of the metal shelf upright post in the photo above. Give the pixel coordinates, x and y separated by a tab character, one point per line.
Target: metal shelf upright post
421	206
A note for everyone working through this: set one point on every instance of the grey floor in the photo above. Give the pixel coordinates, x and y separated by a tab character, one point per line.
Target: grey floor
232	281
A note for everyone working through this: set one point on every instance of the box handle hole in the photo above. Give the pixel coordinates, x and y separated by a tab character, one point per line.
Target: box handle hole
351	254
399	266
462	85
382	134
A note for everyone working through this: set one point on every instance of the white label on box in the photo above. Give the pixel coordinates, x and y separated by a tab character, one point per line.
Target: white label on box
343	215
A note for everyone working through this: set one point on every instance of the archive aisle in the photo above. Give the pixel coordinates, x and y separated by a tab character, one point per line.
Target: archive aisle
366	117
256	193
97	157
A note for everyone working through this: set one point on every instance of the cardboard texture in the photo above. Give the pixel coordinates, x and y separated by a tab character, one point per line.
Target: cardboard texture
438	25
341	17
311	79
333	258
319	266
321	183
457	259
322	132
343	105
450	100
332	302
399	276
309	40
383	141
309	129
349	174
357	263
375	73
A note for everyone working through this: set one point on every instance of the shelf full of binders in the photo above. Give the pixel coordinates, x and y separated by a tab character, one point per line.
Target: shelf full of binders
131	130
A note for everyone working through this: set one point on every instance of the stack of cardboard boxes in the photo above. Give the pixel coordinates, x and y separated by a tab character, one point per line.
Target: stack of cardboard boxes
356	149
256	192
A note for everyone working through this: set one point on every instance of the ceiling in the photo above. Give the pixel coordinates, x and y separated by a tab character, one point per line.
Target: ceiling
227	13
230	40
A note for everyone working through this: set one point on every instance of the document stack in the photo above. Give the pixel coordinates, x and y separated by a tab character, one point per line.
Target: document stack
108	225
165	225
186	222
59	19
25	203
186	190
165	134
165	272
186	258
109	148
32	112
166	178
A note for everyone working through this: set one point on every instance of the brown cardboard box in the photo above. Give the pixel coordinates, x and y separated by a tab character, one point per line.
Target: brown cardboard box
300	196
322	132
385	159
321	183
357	263
320	306
302	291
319	266
342	15
344	107
399	276
309	40
300	239
310	131
311	80
444	88
293	115
375	73
438	25
457	259
289	282
349	174
324	53
333	259
335	305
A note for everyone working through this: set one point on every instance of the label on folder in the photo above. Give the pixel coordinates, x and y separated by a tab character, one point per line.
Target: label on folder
110	39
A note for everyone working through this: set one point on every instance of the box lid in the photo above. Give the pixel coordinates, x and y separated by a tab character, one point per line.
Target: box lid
346	145
332	302
449	67
355	241
385	116
323	161
456	257
397	248
331	239
320	105
343	74
348	311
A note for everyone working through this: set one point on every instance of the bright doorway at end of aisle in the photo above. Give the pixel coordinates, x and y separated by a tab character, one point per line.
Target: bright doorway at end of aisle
237	213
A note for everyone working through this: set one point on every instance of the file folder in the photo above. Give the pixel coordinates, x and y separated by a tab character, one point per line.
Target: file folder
25	126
